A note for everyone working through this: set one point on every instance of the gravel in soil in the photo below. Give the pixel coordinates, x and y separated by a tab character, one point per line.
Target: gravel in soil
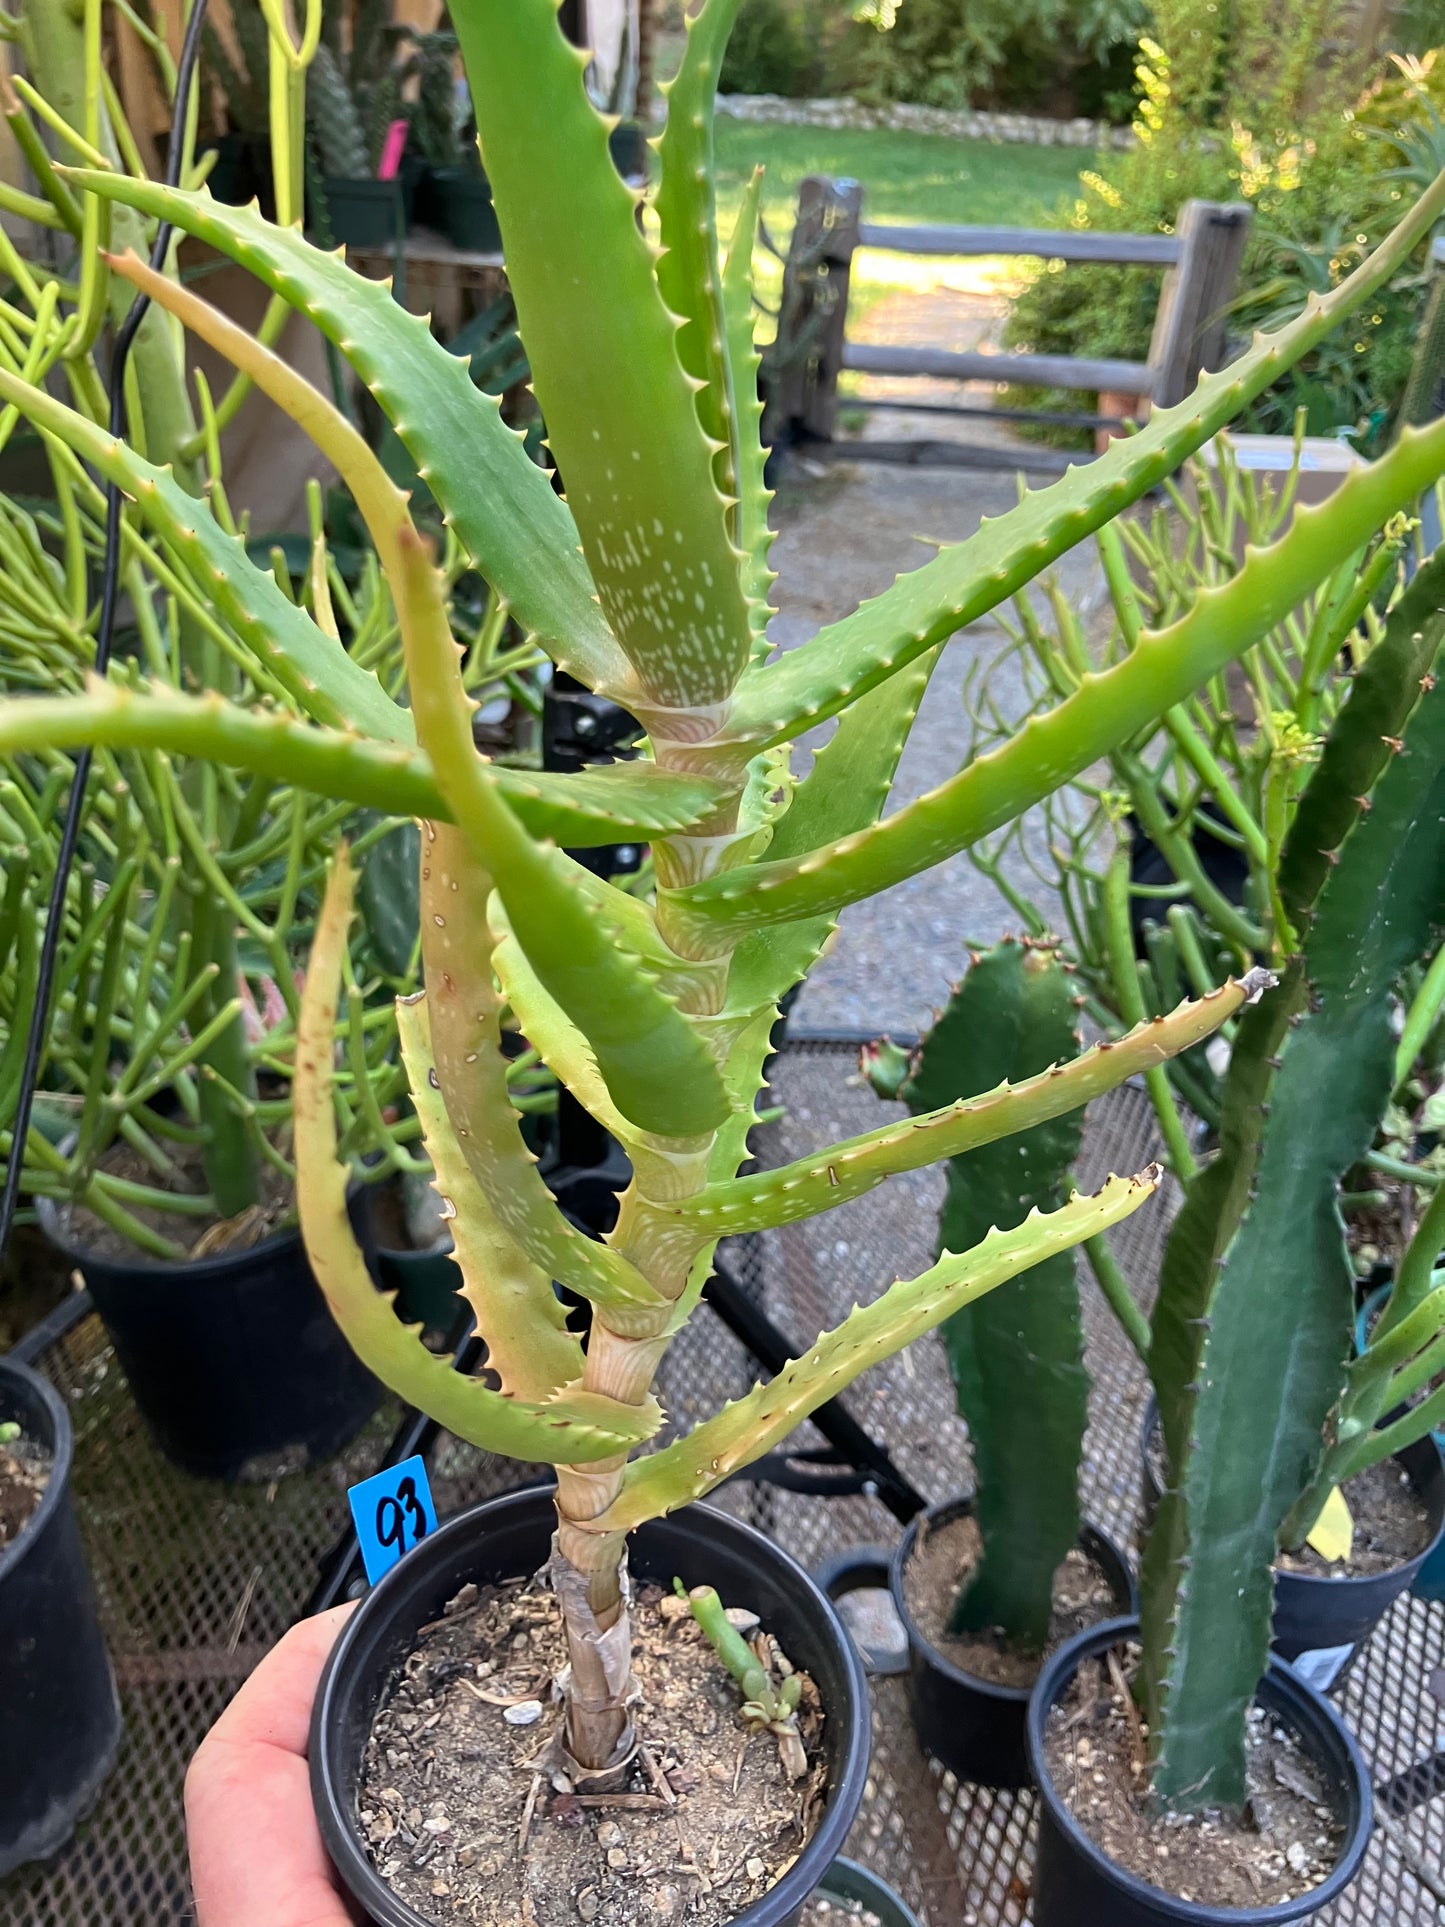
199	1237
467	1821
1286	1842
1392	1524
943	1558
24	1475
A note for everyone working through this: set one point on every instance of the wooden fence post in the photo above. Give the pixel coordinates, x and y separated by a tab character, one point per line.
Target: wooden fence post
1189	326
813	317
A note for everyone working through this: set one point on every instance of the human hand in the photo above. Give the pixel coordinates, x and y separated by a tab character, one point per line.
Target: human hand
256	1852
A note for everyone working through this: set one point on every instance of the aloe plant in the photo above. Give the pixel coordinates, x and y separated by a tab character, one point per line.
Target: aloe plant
648	582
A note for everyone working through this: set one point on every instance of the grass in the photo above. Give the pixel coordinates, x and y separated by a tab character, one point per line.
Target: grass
906	177
920	178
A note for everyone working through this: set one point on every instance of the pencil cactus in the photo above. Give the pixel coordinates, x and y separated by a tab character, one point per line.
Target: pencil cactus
648	583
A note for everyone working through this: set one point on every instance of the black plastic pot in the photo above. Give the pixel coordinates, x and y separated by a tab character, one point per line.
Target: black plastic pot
513	1535
865	1569
464	198
365	214
975	1727
426	1283
59	1716
1314	1613
1075	1882
237	1367
845	1880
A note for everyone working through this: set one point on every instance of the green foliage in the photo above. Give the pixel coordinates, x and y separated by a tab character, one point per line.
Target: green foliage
653	1007
1278	1316
1016	1357
768	51
951	53
1232	110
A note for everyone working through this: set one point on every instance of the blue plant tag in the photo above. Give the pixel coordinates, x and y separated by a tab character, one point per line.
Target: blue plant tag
393	1510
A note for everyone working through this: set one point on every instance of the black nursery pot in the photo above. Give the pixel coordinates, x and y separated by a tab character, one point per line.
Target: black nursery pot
365	214
1076	1884
976	1728
1314	1613
237	1367
512	1536
59	1716
464	198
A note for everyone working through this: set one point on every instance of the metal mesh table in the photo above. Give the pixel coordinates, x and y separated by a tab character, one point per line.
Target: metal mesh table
198	1580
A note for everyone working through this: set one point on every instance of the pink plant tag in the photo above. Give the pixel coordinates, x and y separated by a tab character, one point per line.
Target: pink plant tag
392	150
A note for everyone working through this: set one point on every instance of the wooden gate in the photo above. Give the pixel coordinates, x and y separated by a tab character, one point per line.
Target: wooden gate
1201	261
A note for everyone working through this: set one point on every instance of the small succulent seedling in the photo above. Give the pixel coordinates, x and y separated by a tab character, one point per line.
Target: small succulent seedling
767	1703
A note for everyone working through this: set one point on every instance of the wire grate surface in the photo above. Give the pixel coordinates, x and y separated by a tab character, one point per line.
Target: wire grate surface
197	1581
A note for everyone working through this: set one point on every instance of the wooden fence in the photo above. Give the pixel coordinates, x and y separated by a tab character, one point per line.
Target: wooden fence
1201	261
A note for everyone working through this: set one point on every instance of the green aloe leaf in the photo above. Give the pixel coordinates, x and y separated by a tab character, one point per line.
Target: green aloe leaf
621	412
502	506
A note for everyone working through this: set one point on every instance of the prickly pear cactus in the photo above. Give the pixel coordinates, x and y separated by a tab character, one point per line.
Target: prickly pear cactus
1017	1356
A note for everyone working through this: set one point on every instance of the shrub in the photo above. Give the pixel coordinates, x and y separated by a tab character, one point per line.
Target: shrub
1241	108
767	53
950	53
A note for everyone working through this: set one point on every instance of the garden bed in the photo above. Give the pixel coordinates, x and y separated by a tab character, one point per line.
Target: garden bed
197	1581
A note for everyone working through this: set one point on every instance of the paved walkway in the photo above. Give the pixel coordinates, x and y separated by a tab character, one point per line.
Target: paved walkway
844	532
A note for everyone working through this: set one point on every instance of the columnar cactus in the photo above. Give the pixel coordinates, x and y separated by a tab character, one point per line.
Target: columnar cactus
1017	1357
648	583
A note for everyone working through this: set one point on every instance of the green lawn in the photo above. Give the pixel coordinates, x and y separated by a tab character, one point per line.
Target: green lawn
906	177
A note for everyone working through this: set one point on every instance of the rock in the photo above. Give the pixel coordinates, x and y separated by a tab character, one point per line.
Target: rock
589	1902
671	1607
616	1857
665	1901
609	1834
740	1617
1297	1854
524	1713
755	1868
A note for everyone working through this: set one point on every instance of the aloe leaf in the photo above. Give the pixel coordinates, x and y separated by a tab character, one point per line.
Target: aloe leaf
1107	708
621	413
656	1066
1017	1357
753	533
549	1030
749	1427
311	666
519	1315
1277	1339
856	1165
571	1427
464	1027
966	581
688	274
505	512
582	809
